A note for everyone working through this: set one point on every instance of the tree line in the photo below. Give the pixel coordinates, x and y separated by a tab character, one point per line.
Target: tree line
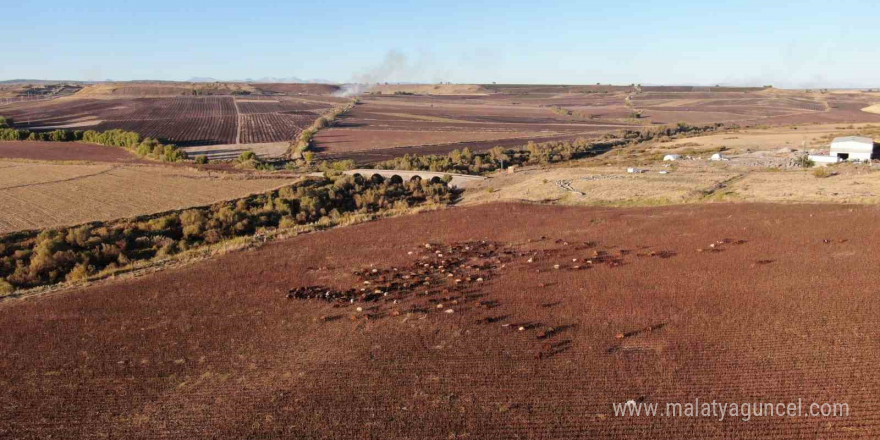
300	149
466	161
145	147
37	258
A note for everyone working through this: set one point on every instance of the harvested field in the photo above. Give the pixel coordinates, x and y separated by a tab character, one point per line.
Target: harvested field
185	121
386	125
771	107
273	127
358	140
423	119
383	127
778	308
295	89
268	150
382	154
599	186
689	182
65	151
38	195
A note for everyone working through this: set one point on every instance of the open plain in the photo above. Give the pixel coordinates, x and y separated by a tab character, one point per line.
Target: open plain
393	122
551	290
551	315
440	220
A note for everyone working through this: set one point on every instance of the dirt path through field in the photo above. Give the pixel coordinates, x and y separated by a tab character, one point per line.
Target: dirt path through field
237	122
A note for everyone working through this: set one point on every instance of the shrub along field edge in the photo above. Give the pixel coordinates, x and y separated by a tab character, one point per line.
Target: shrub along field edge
31	259
299	150
467	162
144	147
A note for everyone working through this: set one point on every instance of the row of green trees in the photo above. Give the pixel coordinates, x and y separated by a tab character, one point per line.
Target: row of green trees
300	150
144	147
468	162
37	258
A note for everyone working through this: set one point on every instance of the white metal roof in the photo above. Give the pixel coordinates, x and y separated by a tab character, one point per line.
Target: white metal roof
858	139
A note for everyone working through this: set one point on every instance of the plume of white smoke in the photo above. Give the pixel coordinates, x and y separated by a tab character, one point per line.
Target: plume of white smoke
395	66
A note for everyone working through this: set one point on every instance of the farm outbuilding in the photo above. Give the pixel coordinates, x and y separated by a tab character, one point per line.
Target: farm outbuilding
853	148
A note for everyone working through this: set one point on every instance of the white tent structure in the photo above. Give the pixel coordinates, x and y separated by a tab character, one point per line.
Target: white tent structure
671	157
852	148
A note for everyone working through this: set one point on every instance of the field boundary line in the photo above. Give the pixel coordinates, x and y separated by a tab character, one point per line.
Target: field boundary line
71	179
237	121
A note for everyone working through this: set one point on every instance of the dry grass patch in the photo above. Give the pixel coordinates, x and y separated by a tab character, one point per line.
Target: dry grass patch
852	184
605	186
37	195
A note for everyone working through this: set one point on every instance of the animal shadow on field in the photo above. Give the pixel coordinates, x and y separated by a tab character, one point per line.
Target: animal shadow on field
549	350
492	319
631	334
330	318
553	331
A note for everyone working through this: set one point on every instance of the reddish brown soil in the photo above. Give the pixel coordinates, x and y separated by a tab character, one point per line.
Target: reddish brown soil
64	151
386	126
783	307
389	126
381	154
185	121
296	89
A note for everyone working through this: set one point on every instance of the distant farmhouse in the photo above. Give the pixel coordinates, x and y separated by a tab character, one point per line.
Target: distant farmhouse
853	148
849	148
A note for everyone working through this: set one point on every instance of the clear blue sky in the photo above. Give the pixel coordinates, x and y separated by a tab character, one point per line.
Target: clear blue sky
747	42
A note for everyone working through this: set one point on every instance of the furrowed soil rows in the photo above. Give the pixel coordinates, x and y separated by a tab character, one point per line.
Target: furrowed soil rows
273	127
185	121
425	124
476	117
494	321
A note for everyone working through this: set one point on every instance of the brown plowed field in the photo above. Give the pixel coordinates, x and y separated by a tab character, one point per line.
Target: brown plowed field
386	125
779	305
383	127
273	127
296	89
381	154
186	121
64	151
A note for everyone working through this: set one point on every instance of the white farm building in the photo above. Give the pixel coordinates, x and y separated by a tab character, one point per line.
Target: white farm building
849	148
852	148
